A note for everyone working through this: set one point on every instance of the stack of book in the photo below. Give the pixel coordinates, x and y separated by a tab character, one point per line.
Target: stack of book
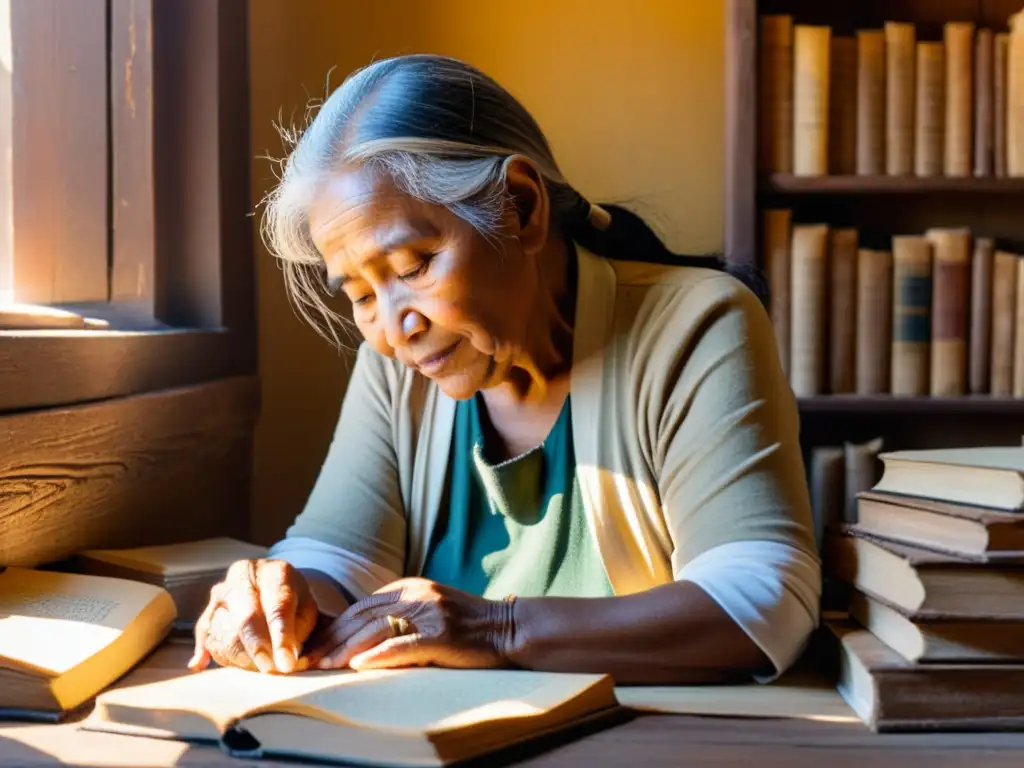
934	636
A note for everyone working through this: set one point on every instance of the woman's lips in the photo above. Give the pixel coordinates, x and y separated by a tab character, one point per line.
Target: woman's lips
434	364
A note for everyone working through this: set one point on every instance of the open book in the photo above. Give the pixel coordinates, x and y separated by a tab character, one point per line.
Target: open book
65	637
416	717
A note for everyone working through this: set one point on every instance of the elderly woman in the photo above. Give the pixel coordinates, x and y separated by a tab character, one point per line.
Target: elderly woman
562	447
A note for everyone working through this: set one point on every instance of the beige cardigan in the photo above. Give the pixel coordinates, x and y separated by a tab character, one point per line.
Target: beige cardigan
684	426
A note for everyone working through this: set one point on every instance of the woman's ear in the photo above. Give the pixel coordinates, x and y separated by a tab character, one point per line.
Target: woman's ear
527	217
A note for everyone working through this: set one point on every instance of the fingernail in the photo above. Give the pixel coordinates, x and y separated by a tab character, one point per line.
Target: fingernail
302	665
285	660
263	662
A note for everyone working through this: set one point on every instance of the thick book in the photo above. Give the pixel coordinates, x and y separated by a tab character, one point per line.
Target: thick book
984	103
842	118
900	55
923	583
957	641
406	717
979	345
775	94
1004	322
811	81
874	321
188	571
871	97
808	328
1015	97
65	637
911	315
959	145
960	529
999	107
842	325
951	290
982	476
890	693
930	109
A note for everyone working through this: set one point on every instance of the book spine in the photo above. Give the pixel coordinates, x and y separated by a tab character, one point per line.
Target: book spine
874	321
842	311
827	480
778	268
1004	322
861	461
1015	98
1018	342
929	112
912	304
979	345
1000	60
842	119
871	96
811	48
900	52
951	261
984	95
775	84
959	37
808	320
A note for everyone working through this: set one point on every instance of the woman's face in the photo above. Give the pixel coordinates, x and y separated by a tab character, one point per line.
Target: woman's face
426	288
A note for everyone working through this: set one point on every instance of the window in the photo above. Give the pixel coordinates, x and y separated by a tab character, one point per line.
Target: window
124	195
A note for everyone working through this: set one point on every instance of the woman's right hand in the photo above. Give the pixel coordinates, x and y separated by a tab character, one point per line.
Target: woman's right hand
258	617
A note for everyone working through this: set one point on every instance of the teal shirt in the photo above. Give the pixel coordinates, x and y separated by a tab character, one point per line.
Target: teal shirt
518	527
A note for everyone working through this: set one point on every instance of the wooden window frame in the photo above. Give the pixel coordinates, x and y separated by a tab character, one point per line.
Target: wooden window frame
176	234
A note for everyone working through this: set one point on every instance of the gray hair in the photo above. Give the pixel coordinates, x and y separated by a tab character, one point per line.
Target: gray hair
443	132
440	129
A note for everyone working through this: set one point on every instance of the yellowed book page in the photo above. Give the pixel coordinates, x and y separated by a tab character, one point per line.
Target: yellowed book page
997	457
801	695
409	700
52	622
178	559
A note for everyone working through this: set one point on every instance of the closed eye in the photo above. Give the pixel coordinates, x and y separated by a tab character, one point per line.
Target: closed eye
420	270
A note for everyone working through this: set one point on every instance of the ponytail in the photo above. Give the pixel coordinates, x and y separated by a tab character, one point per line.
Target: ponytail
625	236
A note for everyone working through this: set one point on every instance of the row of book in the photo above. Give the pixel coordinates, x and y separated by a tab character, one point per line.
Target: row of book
937	314
930	627
885	103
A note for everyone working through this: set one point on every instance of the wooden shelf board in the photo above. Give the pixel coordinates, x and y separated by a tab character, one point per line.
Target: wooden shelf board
862	185
878	404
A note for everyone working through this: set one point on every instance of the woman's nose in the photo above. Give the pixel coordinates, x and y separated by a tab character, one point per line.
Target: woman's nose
402	325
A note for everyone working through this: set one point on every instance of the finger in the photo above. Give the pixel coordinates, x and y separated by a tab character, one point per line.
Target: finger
374	633
243	604
403	651
279	604
305	622
326	639
200	656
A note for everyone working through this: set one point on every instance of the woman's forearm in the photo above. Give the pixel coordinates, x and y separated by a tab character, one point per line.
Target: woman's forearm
674	633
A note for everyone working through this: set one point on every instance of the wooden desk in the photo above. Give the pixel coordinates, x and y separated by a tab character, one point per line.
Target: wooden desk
647	741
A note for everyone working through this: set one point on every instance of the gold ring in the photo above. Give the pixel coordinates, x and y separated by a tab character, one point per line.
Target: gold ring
399	626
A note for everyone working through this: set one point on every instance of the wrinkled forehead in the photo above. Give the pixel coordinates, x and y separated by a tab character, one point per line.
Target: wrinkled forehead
356	213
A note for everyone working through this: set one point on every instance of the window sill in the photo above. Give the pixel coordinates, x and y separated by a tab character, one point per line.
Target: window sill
25	317
48	367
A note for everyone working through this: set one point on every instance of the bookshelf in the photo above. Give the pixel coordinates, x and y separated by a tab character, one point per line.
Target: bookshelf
878	206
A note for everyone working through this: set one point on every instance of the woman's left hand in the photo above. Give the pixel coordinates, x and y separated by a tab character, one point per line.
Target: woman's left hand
415	622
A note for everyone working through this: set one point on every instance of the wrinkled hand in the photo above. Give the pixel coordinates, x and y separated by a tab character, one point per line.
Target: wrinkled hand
258	618
445	627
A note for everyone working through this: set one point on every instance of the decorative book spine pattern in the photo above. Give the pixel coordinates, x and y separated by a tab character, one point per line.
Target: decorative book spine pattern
809	317
912	305
959	37
811	76
1015	98
929	114
1018	341
842	310
874	321
778	268
900	51
775	83
1004	321
979	347
842	119
984	160
951	260
870	102
1002	47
